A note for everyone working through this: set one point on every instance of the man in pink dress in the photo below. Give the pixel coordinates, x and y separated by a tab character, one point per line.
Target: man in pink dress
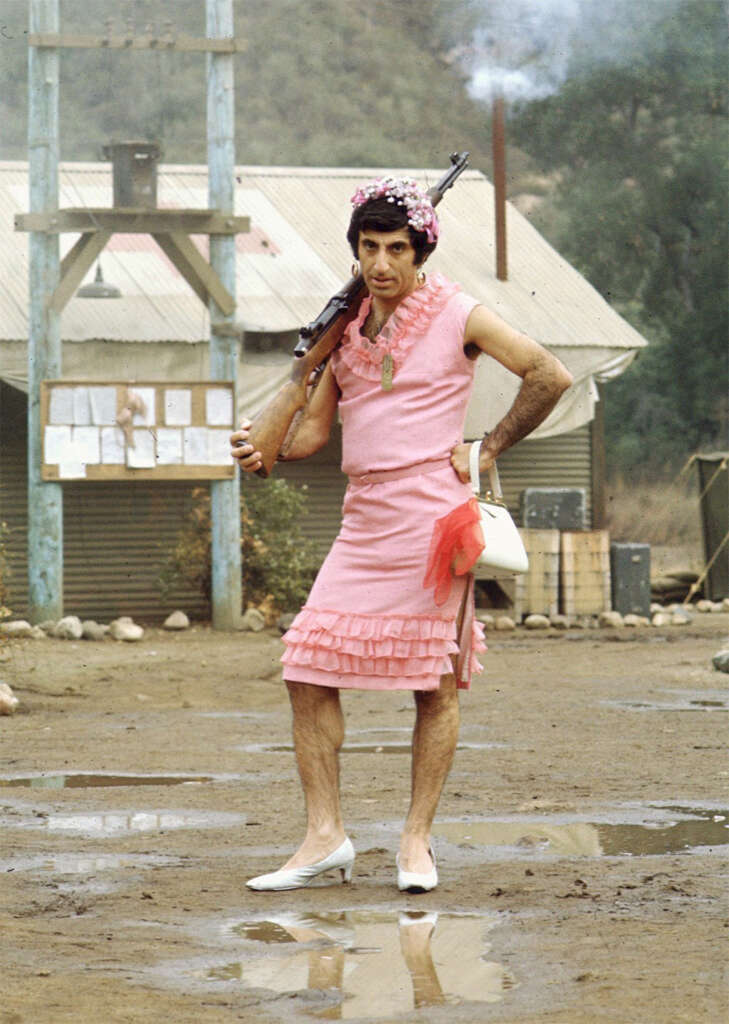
400	380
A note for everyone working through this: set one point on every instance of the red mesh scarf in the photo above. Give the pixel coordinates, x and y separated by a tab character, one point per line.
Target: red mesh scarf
456	543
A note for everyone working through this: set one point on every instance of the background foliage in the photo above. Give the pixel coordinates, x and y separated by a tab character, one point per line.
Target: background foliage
278	564
629	149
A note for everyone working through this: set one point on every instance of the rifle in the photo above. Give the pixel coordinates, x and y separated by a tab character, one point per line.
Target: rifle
317	341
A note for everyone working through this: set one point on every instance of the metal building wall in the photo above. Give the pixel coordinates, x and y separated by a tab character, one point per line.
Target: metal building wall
116	535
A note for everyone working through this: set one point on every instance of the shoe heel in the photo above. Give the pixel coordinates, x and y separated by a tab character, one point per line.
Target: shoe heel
347	872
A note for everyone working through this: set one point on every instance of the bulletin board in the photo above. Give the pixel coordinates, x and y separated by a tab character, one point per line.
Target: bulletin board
141	430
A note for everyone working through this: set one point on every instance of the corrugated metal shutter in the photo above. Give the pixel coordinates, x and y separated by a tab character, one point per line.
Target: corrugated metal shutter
560	461
115	536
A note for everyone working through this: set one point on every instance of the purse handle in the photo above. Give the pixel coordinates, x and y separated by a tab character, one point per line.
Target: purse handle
494	482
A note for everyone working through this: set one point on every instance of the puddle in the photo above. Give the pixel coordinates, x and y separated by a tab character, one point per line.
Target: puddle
368	963
674	830
685	700
85	863
120	822
366	748
83	780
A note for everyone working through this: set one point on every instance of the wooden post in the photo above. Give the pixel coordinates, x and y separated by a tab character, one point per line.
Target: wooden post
45	500
225	495
499	156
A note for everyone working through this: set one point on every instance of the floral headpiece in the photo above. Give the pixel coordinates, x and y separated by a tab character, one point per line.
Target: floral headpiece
404	192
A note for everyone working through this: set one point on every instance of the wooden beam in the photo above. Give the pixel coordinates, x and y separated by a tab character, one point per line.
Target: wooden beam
75	264
133	221
187	44
196	270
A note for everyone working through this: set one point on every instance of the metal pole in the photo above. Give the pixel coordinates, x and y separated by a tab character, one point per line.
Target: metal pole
499	157
45	500
224	494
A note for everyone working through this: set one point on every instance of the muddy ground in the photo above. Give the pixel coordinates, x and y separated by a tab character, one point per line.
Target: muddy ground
580	844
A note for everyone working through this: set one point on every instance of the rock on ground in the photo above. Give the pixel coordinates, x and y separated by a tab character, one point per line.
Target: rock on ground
176	620
69	628
91	630
253	620
17	628
125	628
536	622
720	661
8	700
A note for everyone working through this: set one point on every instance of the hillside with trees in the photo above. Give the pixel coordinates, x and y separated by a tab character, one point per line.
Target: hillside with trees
630	148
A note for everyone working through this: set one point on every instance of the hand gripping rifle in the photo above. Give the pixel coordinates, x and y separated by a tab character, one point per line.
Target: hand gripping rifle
317	341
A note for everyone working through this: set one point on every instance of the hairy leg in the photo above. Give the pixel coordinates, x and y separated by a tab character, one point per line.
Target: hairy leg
318	729
435	736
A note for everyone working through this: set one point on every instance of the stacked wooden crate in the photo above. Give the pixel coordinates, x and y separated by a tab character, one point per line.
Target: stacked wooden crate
537	591
585	572
569	572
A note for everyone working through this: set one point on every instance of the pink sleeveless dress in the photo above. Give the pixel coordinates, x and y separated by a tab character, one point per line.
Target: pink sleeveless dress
369	623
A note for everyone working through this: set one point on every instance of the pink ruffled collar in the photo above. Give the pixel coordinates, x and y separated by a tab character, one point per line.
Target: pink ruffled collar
410	320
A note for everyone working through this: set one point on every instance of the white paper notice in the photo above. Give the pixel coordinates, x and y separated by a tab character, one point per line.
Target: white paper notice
169	447
219	407
178	407
71	470
56	444
112	446
219	448
147	418
103	405
85	445
81	407
61	406
141	456
195	450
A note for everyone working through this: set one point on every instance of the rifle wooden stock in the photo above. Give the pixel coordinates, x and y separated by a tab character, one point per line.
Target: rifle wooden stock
270	427
316	343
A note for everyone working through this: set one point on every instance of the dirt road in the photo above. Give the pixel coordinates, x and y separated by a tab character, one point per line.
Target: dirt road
580	841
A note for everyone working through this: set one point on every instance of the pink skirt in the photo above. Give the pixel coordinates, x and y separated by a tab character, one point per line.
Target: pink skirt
369	623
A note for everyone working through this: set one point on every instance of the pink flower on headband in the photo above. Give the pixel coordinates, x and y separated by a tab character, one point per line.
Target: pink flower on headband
405	192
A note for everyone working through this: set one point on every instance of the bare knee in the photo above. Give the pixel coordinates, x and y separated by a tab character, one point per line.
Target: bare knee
317	709
444	700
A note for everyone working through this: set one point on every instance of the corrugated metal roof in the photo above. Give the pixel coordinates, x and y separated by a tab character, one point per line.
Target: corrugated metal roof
295	257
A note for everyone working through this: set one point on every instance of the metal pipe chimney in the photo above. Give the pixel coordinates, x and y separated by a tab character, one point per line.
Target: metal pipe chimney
499	158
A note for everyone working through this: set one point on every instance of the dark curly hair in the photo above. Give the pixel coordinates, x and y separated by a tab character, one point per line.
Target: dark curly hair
381	215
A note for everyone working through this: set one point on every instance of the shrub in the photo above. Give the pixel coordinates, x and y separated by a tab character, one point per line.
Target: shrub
278	563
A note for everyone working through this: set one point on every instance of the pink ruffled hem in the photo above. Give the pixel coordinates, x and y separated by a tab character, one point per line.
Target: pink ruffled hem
411	319
347	649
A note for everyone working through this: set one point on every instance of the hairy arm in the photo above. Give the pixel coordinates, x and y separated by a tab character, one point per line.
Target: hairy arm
544	379
310	430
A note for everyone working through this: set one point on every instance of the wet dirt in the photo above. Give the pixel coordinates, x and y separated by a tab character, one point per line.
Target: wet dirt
580	846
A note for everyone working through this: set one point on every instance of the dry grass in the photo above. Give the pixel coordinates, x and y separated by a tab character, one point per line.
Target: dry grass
664	513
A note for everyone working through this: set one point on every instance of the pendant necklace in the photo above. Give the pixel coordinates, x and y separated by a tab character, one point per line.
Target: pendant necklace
387	368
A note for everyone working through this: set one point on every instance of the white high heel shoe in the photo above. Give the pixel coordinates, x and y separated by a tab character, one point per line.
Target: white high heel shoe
417	881
297	878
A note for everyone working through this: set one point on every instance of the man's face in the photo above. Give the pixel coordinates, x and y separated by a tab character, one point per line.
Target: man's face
388	264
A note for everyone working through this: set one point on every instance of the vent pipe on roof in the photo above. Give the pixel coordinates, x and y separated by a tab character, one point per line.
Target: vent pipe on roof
499	157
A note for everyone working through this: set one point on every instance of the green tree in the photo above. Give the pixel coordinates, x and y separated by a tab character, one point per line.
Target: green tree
640	151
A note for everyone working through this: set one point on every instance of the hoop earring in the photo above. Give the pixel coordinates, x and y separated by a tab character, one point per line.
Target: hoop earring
355	268
421	277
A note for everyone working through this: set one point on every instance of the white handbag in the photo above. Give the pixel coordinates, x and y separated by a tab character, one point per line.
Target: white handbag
504	555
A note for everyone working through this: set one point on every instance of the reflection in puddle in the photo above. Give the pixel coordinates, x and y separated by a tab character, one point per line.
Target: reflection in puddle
367	748
677	834
684	700
85	863
117	822
374	963
74	780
